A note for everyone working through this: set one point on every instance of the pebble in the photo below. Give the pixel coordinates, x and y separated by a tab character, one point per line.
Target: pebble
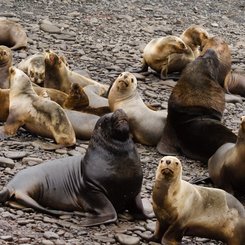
6	162
15	154
47	242
127	240
50	235
31	160
7	238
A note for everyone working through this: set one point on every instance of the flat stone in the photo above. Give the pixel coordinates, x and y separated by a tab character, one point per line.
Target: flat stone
50	235
127	240
6	162
15	154
49	27
27	160
6	238
47	242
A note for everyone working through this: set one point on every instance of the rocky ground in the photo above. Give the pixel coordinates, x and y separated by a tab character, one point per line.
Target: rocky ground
106	37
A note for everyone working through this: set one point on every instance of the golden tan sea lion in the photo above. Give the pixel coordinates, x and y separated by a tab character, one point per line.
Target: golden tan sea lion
146	125
37	114
183	209
5	63
12	34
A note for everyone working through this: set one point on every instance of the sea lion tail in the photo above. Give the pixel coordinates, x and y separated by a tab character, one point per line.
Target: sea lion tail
4	195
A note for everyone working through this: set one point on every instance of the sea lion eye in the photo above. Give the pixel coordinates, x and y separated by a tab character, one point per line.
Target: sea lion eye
132	80
32	74
121	74
176	163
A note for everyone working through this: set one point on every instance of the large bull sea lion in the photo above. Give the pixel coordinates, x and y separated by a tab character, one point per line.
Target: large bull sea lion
106	181
195	110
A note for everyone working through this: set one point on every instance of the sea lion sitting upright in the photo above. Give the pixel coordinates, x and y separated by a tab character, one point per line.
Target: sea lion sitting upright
158	53
5	63
12	34
106	181
195	37
78	100
59	76
38	115
195	110
146	125
226	167
183	209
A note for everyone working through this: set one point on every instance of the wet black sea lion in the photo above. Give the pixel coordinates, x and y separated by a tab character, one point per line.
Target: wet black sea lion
12	34
183	209
108	180
195	109
227	166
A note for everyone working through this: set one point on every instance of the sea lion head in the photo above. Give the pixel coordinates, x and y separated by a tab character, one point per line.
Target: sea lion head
125	82
113	126
18	80
77	98
208	64
36	71
52	59
169	169
173	44
5	55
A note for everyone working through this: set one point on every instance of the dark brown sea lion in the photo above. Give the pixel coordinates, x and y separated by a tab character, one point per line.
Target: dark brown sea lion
5	63
232	82
183	209
146	125
158	53
106	181
78	100
12	34
195	110
195	36
37	114
226	167
59	76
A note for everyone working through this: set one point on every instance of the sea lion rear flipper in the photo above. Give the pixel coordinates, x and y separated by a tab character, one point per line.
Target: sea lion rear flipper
102	211
26	201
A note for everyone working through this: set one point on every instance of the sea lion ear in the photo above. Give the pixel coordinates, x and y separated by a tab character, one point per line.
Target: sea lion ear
60	61
11	70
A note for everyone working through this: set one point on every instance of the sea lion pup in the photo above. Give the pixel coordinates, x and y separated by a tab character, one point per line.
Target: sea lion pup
106	181
5	63
59	76
183	209
195	37
226	167
34	67
12	34
158	53
195	110
146	125
78	100
38	115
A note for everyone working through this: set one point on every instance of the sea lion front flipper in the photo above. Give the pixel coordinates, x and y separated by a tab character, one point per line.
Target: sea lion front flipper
168	142
102	211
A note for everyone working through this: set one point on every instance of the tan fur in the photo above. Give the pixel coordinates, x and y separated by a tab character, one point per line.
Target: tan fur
39	115
146	125
5	63
183	209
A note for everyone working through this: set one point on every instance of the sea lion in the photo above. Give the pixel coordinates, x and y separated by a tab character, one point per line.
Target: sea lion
158	53
12	34
195	36
226	167
37	114
106	181
78	100
232	82
34	67
183	209
4	102
59	76
5	63
195	110
146	125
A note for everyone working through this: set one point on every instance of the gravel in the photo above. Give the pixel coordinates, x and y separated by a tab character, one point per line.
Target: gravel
105	38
